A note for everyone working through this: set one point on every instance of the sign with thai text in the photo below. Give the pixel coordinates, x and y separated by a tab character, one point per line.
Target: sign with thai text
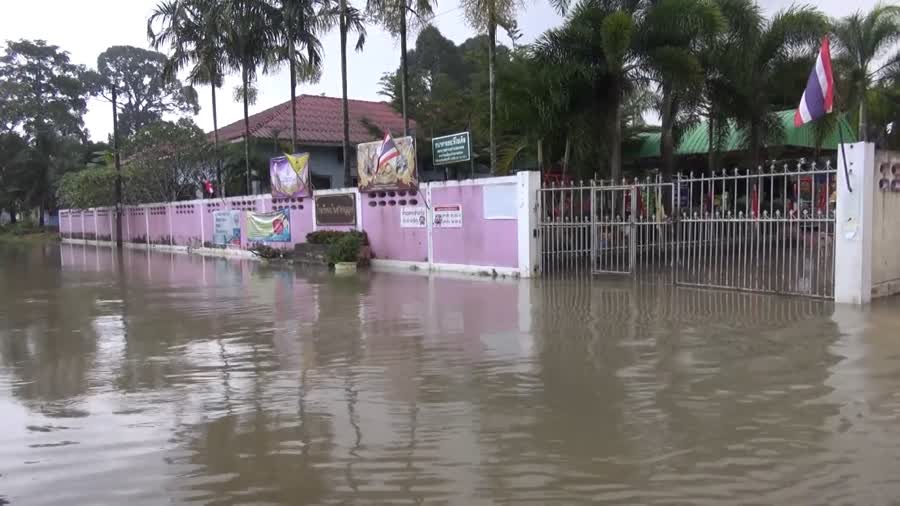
227	228
452	148
413	217
336	209
269	227
448	216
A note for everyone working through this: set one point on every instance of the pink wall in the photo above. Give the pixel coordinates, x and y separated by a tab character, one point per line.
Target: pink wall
479	241
381	221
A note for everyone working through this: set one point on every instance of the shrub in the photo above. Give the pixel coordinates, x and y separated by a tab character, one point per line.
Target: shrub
266	251
332	236
345	249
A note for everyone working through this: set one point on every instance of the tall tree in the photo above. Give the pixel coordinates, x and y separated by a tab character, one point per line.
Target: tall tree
862	40
393	16
15	159
192	29
350	19
248	39
486	16
298	25
44	96
146	91
785	41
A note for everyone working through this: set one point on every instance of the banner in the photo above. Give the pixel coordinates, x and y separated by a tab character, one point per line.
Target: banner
227	228
290	176
398	173
269	227
336	209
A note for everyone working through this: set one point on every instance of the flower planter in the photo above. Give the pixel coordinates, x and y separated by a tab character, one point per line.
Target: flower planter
345	268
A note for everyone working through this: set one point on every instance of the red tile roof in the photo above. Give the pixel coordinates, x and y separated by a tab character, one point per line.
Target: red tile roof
319	121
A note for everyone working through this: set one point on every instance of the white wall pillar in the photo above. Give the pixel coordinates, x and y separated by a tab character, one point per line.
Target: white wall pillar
853	224
527	184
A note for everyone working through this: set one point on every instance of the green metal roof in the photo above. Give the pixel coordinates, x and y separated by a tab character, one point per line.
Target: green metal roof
696	140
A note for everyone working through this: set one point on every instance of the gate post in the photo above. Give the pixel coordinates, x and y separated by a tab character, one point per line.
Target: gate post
529	246
632	230
853	224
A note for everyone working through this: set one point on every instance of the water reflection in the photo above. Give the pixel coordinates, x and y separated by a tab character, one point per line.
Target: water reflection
161	377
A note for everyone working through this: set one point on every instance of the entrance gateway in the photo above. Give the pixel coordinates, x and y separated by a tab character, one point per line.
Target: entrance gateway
768	230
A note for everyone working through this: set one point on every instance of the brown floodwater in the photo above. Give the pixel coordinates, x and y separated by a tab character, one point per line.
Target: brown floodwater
175	379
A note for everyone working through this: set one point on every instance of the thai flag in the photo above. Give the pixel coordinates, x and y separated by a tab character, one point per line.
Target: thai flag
387	152
819	94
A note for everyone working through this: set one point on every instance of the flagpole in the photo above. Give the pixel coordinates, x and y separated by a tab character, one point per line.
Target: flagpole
843	153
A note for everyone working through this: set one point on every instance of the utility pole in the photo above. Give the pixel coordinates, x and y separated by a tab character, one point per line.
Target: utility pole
118	169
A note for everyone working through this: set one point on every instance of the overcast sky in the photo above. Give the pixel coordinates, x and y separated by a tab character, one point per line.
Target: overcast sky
85	28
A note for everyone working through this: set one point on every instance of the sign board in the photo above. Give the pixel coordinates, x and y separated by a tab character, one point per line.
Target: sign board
397	173
269	227
448	216
413	217
452	148
289	175
336	209
227	228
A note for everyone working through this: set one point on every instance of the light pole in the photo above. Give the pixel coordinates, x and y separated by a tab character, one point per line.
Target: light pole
118	169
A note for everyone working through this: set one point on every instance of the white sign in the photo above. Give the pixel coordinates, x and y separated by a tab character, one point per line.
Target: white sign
499	201
227	228
448	216
413	217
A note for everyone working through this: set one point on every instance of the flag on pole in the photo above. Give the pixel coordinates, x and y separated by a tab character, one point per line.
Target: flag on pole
818	98
387	152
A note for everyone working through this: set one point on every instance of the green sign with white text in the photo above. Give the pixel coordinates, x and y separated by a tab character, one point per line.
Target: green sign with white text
453	148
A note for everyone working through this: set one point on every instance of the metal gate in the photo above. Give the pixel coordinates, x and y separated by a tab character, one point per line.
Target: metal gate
766	230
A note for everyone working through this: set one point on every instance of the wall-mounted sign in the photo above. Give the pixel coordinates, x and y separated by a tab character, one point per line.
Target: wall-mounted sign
452	148
290	176
336	209
413	217
227	228
388	164
448	216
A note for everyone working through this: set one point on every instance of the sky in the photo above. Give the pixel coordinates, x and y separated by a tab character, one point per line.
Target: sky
85	28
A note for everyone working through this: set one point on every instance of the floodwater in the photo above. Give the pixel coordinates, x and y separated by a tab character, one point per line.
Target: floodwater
175	379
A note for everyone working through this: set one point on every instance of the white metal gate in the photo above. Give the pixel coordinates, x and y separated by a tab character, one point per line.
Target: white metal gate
765	230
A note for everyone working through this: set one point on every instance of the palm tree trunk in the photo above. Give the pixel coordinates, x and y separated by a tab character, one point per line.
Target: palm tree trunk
293	69
344	105
615	157
492	89
540	155
403	68
711	132
566	153
220	190
754	145
863	118
245	79
667	138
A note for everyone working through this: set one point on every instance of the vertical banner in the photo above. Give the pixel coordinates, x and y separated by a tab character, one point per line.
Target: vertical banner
388	164
289	176
269	227
227	228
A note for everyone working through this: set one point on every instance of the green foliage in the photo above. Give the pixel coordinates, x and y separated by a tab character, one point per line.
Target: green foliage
266	251
345	249
146	90
91	187
332	236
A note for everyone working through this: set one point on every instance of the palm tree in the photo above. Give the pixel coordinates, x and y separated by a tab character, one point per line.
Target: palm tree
392	14
669	38
349	19
596	46
298	25
248	41
191	29
788	39
487	16
861	41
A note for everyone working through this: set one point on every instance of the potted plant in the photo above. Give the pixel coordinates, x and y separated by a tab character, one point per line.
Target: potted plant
344	253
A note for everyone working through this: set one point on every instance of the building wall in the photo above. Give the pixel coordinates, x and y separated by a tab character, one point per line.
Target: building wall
326	162
886	228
